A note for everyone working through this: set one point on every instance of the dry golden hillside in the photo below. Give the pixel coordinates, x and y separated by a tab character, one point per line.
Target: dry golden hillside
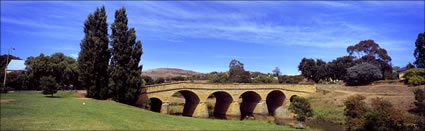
169	72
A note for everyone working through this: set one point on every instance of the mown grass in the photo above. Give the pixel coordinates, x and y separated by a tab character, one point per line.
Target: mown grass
34	111
331	114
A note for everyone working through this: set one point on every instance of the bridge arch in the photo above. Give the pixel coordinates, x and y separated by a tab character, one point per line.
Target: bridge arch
155	104
223	100
274	100
250	99
191	102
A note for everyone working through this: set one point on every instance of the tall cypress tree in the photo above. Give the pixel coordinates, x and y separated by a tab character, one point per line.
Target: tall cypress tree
94	55
124	68
420	51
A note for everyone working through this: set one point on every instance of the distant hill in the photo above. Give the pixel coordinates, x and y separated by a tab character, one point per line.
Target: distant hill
169	72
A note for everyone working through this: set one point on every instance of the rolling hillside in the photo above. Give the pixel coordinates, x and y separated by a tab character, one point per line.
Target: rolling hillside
169	72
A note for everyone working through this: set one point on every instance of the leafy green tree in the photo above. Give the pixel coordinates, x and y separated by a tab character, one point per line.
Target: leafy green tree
362	74
55	65
237	72
313	70
354	112
420	51
94	56
301	107
124	68
367	51
337	69
49	85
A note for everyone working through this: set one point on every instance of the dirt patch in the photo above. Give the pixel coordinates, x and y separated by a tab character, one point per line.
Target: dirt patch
81	95
7	100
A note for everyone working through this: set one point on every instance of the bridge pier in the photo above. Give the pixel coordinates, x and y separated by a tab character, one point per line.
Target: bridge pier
283	112
234	109
164	108
261	108
201	110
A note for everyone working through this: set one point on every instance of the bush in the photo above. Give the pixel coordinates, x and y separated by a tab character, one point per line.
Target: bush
178	78
362	74
219	78
384	116
159	80
301	107
416	80
414	76
419	101
148	80
49	85
264	79
290	79
355	109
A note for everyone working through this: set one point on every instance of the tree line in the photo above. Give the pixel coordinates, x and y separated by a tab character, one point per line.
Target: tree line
105	72
366	62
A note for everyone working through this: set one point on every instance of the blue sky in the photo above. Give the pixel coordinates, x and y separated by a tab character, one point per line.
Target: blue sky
206	36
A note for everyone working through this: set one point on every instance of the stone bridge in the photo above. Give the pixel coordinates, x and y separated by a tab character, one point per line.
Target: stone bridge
231	99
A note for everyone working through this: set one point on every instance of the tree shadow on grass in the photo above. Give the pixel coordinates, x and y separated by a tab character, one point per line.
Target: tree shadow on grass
54	96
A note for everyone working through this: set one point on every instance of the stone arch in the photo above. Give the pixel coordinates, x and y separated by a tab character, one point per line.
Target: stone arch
274	100
250	99
155	104
191	101
222	103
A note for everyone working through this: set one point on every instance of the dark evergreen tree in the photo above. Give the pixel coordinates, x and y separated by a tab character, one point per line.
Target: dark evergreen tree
94	55
420	51
49	85
124	68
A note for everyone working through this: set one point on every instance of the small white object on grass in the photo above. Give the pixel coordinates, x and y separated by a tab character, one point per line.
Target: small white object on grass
84	103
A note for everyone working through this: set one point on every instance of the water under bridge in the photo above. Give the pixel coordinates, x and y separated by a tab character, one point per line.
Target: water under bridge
231	99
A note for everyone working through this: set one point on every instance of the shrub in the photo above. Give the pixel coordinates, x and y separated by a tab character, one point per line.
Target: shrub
49	85
355	109
264	79
301	107
219	78
178	78
291	79
419	101
362	74
159	80
416	80
414	76
384	116
148	80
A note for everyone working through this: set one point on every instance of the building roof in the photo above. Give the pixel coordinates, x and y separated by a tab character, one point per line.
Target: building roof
402	69
16	65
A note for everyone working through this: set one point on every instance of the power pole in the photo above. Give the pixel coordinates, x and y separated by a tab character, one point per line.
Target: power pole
5	69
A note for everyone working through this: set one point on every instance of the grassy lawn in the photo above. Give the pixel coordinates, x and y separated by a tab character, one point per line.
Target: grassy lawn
37	112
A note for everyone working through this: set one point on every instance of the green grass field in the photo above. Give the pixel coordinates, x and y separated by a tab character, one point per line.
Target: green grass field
35	111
